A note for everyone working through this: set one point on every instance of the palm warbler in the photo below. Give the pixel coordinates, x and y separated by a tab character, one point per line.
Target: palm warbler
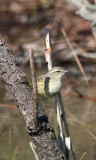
50	83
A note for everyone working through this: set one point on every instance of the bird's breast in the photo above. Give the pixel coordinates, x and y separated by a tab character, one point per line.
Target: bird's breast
49	87
54	86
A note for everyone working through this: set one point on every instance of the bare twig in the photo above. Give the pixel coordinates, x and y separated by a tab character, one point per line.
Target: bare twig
49	59
83	156
61	103
15	152
32	147
61	135
66	125
80	95
34	84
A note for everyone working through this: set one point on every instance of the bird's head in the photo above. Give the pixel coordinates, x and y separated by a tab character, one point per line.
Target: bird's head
57	72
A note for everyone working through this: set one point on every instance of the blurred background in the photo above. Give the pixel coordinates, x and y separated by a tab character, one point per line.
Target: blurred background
22	25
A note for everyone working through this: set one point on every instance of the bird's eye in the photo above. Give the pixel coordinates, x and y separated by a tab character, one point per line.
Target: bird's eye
58	71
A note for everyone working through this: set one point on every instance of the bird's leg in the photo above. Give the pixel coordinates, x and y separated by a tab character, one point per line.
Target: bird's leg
43	103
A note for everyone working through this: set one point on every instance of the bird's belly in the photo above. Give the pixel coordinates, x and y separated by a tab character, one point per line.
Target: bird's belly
54	87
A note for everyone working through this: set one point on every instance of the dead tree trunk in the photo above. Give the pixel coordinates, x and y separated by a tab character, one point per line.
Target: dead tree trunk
20	93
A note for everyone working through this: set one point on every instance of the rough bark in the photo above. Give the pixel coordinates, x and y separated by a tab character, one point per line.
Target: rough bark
16	84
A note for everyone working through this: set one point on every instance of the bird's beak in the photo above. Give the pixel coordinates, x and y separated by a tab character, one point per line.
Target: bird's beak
66	71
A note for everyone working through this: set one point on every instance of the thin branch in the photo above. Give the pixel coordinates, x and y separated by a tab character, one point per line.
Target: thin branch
49	59
83	156
61	103
66	125
34	86
59	122
80	95
32	147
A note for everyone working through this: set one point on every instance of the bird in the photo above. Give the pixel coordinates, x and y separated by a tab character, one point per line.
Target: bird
49	84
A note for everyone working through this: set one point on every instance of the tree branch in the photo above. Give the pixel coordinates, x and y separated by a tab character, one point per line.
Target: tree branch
14	79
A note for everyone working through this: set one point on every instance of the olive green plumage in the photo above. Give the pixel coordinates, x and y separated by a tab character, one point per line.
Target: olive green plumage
50	83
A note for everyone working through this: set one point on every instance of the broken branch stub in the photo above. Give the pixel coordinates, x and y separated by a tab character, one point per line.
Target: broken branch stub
34	84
